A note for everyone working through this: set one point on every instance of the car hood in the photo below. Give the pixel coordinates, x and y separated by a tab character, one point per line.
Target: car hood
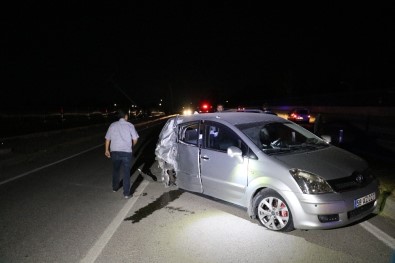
329	163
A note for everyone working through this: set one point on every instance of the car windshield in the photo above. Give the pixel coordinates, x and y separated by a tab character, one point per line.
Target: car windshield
277	138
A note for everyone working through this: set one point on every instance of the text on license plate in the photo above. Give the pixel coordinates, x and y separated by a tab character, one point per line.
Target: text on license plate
364	200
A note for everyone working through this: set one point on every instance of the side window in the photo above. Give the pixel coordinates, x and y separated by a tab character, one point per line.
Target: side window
190	134
220	137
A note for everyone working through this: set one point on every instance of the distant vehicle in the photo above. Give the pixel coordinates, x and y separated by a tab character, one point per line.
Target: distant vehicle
299	115
187	111
282	174
205	107
255	110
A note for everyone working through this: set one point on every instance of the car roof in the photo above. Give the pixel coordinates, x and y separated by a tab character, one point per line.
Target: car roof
244	110
232	117
251	110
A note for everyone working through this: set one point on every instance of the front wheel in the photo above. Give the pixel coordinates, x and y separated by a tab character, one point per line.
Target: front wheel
272	211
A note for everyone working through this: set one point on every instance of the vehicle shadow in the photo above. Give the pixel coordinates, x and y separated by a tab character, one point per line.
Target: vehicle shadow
158	204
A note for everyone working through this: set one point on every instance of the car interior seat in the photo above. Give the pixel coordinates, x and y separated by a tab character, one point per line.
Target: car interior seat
264	138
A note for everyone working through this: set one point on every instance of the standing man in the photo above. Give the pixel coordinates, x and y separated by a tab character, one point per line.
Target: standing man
121	136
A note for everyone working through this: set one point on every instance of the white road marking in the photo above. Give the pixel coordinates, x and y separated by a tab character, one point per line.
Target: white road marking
48	165
382	236
100	244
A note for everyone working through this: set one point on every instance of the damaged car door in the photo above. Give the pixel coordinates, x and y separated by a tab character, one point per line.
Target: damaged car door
189	141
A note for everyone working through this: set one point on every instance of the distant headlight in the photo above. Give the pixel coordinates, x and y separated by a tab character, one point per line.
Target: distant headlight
187	112
310	183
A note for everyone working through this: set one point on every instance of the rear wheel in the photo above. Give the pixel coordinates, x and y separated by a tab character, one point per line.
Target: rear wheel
272	211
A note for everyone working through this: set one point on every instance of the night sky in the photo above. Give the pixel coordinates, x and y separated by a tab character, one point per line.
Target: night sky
92	55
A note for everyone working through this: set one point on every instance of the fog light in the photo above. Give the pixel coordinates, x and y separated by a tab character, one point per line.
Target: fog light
328	218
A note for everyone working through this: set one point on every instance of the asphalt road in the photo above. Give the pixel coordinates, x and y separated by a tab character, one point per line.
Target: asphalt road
64	210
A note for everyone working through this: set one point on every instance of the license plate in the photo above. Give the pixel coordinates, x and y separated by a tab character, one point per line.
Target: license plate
364	200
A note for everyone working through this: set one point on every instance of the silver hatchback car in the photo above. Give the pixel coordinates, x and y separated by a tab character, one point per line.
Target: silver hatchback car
284	175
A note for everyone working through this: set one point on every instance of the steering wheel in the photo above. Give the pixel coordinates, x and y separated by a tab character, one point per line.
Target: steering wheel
278	143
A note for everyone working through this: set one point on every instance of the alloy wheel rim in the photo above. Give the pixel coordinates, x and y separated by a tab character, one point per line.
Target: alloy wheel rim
273	213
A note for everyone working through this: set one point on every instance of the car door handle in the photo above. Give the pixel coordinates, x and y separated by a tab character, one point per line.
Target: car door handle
205	157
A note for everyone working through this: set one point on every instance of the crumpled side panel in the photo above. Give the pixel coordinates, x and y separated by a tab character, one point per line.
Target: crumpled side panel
166	151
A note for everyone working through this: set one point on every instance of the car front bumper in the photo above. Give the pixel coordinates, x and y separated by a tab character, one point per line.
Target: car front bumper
332	210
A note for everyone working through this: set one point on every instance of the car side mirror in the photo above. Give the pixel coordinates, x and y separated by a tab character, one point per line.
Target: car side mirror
327	138
233	151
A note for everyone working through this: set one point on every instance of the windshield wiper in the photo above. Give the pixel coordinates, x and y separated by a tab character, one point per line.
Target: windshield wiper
315	143
293	148
303	146
276	150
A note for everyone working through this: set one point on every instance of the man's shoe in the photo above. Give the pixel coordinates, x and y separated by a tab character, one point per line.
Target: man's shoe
127	196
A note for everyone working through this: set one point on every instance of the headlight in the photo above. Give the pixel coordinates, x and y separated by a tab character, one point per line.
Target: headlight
310	183
187	112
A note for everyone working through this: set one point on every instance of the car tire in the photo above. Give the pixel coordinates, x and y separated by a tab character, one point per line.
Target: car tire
272	211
